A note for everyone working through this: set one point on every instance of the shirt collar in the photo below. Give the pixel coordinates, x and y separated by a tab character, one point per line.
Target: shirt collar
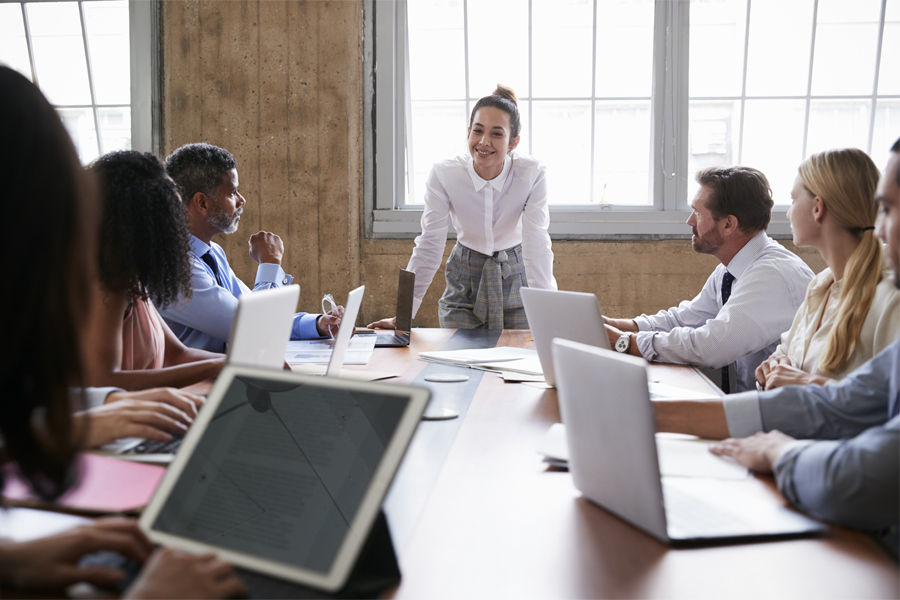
497	182
746	255
198	246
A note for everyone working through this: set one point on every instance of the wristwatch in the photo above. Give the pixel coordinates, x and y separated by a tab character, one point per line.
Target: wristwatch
623	344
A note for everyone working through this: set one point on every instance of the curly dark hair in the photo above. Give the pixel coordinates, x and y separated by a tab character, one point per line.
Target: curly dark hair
199	168
144	243
49	210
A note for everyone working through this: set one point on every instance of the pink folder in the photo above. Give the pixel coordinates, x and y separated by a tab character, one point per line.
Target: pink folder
104	485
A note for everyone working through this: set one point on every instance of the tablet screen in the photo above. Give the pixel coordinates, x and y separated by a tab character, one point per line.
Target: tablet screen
282	469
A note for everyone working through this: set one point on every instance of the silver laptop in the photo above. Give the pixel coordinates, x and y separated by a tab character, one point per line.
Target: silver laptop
340	343
262	327
284	474
399	338
259	337
605	405
572	316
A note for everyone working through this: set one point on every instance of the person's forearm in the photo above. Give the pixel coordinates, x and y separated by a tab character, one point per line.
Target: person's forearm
190	355
703	418
624	325
174	376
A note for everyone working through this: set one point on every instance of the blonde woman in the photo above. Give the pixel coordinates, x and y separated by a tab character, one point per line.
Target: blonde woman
852	309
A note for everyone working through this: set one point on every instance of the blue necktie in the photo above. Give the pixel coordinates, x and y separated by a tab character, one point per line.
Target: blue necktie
727	280
211	263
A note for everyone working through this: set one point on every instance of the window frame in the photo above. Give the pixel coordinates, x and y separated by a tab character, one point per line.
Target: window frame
143	16
386	68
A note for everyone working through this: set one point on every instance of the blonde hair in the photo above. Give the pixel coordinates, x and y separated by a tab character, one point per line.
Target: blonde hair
845	179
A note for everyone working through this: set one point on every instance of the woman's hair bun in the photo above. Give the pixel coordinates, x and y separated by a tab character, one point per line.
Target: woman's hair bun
505	92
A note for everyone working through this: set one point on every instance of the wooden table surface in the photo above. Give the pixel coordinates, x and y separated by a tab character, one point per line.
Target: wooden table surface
495	522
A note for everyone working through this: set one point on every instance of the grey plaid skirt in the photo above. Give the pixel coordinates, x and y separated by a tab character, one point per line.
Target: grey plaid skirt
483	291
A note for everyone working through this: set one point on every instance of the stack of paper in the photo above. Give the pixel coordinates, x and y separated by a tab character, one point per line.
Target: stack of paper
504	358
318	352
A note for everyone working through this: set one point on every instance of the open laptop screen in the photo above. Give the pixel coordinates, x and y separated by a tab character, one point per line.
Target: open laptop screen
282	469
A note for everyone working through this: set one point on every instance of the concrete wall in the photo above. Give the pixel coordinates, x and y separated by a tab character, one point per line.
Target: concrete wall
279	84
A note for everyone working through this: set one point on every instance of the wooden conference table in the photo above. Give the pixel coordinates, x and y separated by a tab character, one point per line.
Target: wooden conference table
474	512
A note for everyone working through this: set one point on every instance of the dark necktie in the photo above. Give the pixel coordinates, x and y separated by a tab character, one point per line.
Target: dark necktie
211	262
727	280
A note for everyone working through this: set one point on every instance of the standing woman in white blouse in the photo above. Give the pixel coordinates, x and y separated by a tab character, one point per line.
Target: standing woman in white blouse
852	309
497	202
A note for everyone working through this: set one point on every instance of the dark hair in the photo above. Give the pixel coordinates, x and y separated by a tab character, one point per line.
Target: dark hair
48	232
144	242
199	168
896	148
504	99
740	191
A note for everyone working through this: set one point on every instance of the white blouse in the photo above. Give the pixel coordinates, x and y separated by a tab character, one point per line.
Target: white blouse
488	216
804	344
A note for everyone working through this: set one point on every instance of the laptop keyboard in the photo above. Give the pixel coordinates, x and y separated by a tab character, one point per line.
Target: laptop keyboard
156	447
391	338
688	516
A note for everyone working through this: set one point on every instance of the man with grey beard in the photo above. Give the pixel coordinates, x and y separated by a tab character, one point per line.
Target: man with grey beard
207	178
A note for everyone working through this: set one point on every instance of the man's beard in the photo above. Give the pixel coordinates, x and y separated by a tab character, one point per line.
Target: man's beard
706	244
223	222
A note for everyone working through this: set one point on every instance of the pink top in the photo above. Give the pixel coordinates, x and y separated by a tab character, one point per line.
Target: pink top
143	337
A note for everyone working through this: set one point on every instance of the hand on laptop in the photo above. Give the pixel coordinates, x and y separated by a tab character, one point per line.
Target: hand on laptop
130	418
173	574
757	452
52	562
384	324
186	402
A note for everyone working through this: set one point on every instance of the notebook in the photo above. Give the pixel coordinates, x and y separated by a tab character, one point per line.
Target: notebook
572	316
284	474
406	287
605	404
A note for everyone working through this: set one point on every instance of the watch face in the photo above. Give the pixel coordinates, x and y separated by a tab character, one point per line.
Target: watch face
622	343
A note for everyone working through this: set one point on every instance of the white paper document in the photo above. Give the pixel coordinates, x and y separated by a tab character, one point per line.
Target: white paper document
677	457
480	356
318	352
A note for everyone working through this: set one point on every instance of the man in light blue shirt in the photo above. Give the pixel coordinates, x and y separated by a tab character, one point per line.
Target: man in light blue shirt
835	449
208	180
748	301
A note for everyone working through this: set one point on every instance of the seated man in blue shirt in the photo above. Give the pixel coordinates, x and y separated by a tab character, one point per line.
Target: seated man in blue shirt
208	180
834	449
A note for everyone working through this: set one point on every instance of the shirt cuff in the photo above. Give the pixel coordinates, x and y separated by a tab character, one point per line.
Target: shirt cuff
788	452
644	341
96	396
643	323
272	274
305	327
743	414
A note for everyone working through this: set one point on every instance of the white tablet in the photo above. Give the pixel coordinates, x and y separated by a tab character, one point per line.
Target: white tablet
284	474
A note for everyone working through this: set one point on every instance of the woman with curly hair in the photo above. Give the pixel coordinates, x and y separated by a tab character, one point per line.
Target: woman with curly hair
143	264
852	309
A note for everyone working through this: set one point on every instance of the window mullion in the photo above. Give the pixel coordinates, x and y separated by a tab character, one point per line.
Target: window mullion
812	56
744	84
34	76
90	73
878	52
593	101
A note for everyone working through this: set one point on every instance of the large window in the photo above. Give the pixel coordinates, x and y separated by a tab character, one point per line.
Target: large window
93	60
625	100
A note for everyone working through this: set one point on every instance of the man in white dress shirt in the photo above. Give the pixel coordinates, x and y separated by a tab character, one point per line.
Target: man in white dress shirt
748	301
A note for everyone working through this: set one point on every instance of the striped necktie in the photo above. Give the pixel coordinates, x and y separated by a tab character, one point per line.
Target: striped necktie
727	280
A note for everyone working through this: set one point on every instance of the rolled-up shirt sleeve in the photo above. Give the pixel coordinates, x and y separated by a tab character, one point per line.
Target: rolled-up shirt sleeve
852	482
742	326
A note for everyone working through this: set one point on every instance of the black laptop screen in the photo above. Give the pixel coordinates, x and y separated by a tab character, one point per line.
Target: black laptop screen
281	470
